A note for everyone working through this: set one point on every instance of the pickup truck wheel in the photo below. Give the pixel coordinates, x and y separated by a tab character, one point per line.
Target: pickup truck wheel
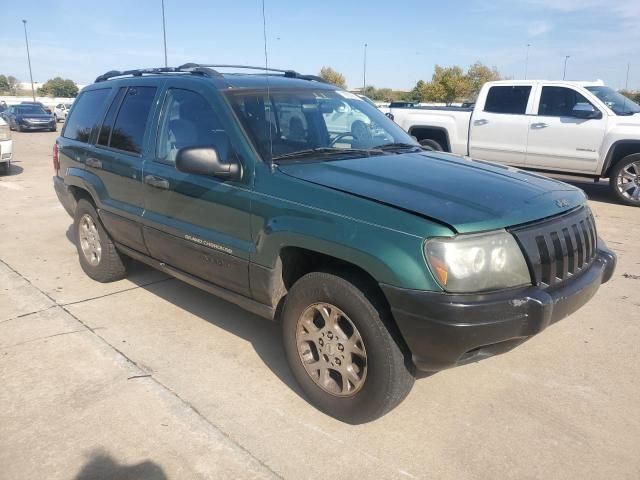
340	350
625	180
98	255
431	144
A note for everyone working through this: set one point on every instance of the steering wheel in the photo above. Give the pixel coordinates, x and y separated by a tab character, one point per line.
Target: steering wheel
340	137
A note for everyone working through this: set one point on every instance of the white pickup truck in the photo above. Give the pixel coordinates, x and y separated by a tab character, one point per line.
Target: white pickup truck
576	128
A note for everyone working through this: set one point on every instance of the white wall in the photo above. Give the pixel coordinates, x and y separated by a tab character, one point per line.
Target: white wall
48	101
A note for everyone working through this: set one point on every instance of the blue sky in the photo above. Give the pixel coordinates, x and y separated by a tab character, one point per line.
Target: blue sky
406	38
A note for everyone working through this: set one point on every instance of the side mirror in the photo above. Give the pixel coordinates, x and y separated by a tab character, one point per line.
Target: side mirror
586	111
206	161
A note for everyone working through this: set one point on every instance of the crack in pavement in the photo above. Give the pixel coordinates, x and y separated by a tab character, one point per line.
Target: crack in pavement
43	338
172	392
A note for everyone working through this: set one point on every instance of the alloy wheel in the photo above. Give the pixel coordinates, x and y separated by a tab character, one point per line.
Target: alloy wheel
331	349
90	240
628	182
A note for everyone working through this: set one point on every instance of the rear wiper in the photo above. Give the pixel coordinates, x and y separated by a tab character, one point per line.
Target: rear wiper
326	152
397	146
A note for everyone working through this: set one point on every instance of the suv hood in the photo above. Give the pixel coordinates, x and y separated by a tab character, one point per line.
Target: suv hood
467	195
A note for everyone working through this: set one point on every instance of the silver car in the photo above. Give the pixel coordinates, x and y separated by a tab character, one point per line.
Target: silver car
61	110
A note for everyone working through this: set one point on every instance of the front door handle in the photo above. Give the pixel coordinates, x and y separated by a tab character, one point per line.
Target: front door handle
539	125
93	162
156	182
482	121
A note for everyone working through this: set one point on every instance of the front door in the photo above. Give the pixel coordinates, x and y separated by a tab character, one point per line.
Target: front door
560	141
198	224
499	131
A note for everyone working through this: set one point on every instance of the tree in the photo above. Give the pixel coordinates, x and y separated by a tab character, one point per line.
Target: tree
448	84
13	84
379	94
332	76
633	96
4	84
59	87
479	74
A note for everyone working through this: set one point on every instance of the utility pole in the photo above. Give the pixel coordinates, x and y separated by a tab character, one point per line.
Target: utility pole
626	82
26	40
526	62
364	71
164	35
564	73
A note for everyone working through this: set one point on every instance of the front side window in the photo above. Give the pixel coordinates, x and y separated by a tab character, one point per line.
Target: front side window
85	116
188	120
292	121
131	121
508	99
559	101
617	102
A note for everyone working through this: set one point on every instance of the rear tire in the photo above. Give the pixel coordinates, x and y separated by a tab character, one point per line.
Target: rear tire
354	370
98	255
624	180
4	168
427	142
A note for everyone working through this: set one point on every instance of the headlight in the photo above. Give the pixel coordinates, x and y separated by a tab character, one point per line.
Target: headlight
478	262
5	133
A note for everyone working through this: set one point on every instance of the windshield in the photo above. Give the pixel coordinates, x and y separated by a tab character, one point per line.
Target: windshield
30	110
617	102
307	121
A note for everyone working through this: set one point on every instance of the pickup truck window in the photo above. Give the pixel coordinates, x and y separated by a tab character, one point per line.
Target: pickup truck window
187	121
617	102
89	106
299	120
131	122
559	101
508	99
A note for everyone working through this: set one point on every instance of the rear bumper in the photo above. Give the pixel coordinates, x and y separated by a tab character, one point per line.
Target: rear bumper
6	151
444	330
65	197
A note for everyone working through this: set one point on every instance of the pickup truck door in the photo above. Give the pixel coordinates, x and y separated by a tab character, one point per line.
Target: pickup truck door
558	140
196	223
499	127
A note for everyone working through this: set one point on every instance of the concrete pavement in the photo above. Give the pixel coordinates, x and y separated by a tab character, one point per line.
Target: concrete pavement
151	378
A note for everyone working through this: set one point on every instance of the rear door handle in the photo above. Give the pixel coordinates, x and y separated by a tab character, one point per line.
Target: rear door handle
93	162
156	182
482	121
539	125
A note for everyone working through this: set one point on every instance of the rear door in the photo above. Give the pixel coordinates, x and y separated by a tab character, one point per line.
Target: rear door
116	158
196	223
499	131
560	141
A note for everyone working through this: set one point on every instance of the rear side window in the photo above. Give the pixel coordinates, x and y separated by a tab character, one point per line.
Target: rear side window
107	125
86	114
131	121
559	101
508	99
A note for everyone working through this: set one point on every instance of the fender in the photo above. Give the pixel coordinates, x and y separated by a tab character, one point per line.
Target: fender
440	129
609	158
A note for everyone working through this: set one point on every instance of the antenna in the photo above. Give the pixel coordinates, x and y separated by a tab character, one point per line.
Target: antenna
266	71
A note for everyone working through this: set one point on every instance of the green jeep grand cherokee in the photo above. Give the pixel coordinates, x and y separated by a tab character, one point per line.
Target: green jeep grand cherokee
303	203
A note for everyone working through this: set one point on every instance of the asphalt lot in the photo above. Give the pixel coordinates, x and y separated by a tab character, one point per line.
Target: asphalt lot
149	378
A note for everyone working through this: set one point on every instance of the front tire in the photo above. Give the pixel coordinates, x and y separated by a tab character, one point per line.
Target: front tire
98	255
427	142
624	180
340	349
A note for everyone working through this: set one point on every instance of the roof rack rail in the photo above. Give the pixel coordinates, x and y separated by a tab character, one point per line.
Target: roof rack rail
187	68
287	73
202	69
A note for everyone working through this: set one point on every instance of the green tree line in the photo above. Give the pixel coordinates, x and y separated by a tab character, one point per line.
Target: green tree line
54	87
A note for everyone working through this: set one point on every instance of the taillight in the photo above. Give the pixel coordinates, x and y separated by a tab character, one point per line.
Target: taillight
56	159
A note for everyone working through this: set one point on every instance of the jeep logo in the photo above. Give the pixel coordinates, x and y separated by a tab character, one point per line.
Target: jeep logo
563	202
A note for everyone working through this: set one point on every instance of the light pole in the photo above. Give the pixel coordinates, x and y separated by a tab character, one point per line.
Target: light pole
526	62
364	71
564	72
164	35
626	82
26	40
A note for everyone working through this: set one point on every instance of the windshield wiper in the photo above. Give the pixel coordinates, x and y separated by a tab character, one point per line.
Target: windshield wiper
326	152
397	146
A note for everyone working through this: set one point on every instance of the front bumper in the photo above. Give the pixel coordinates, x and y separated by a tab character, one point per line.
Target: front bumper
444	330
37	126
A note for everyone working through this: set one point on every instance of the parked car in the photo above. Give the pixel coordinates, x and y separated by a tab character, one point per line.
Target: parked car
6	147
44	107
61	110
23	117
378	258
576	128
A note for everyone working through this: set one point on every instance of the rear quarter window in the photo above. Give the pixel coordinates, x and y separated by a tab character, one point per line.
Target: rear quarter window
131	121
88	111
508	99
